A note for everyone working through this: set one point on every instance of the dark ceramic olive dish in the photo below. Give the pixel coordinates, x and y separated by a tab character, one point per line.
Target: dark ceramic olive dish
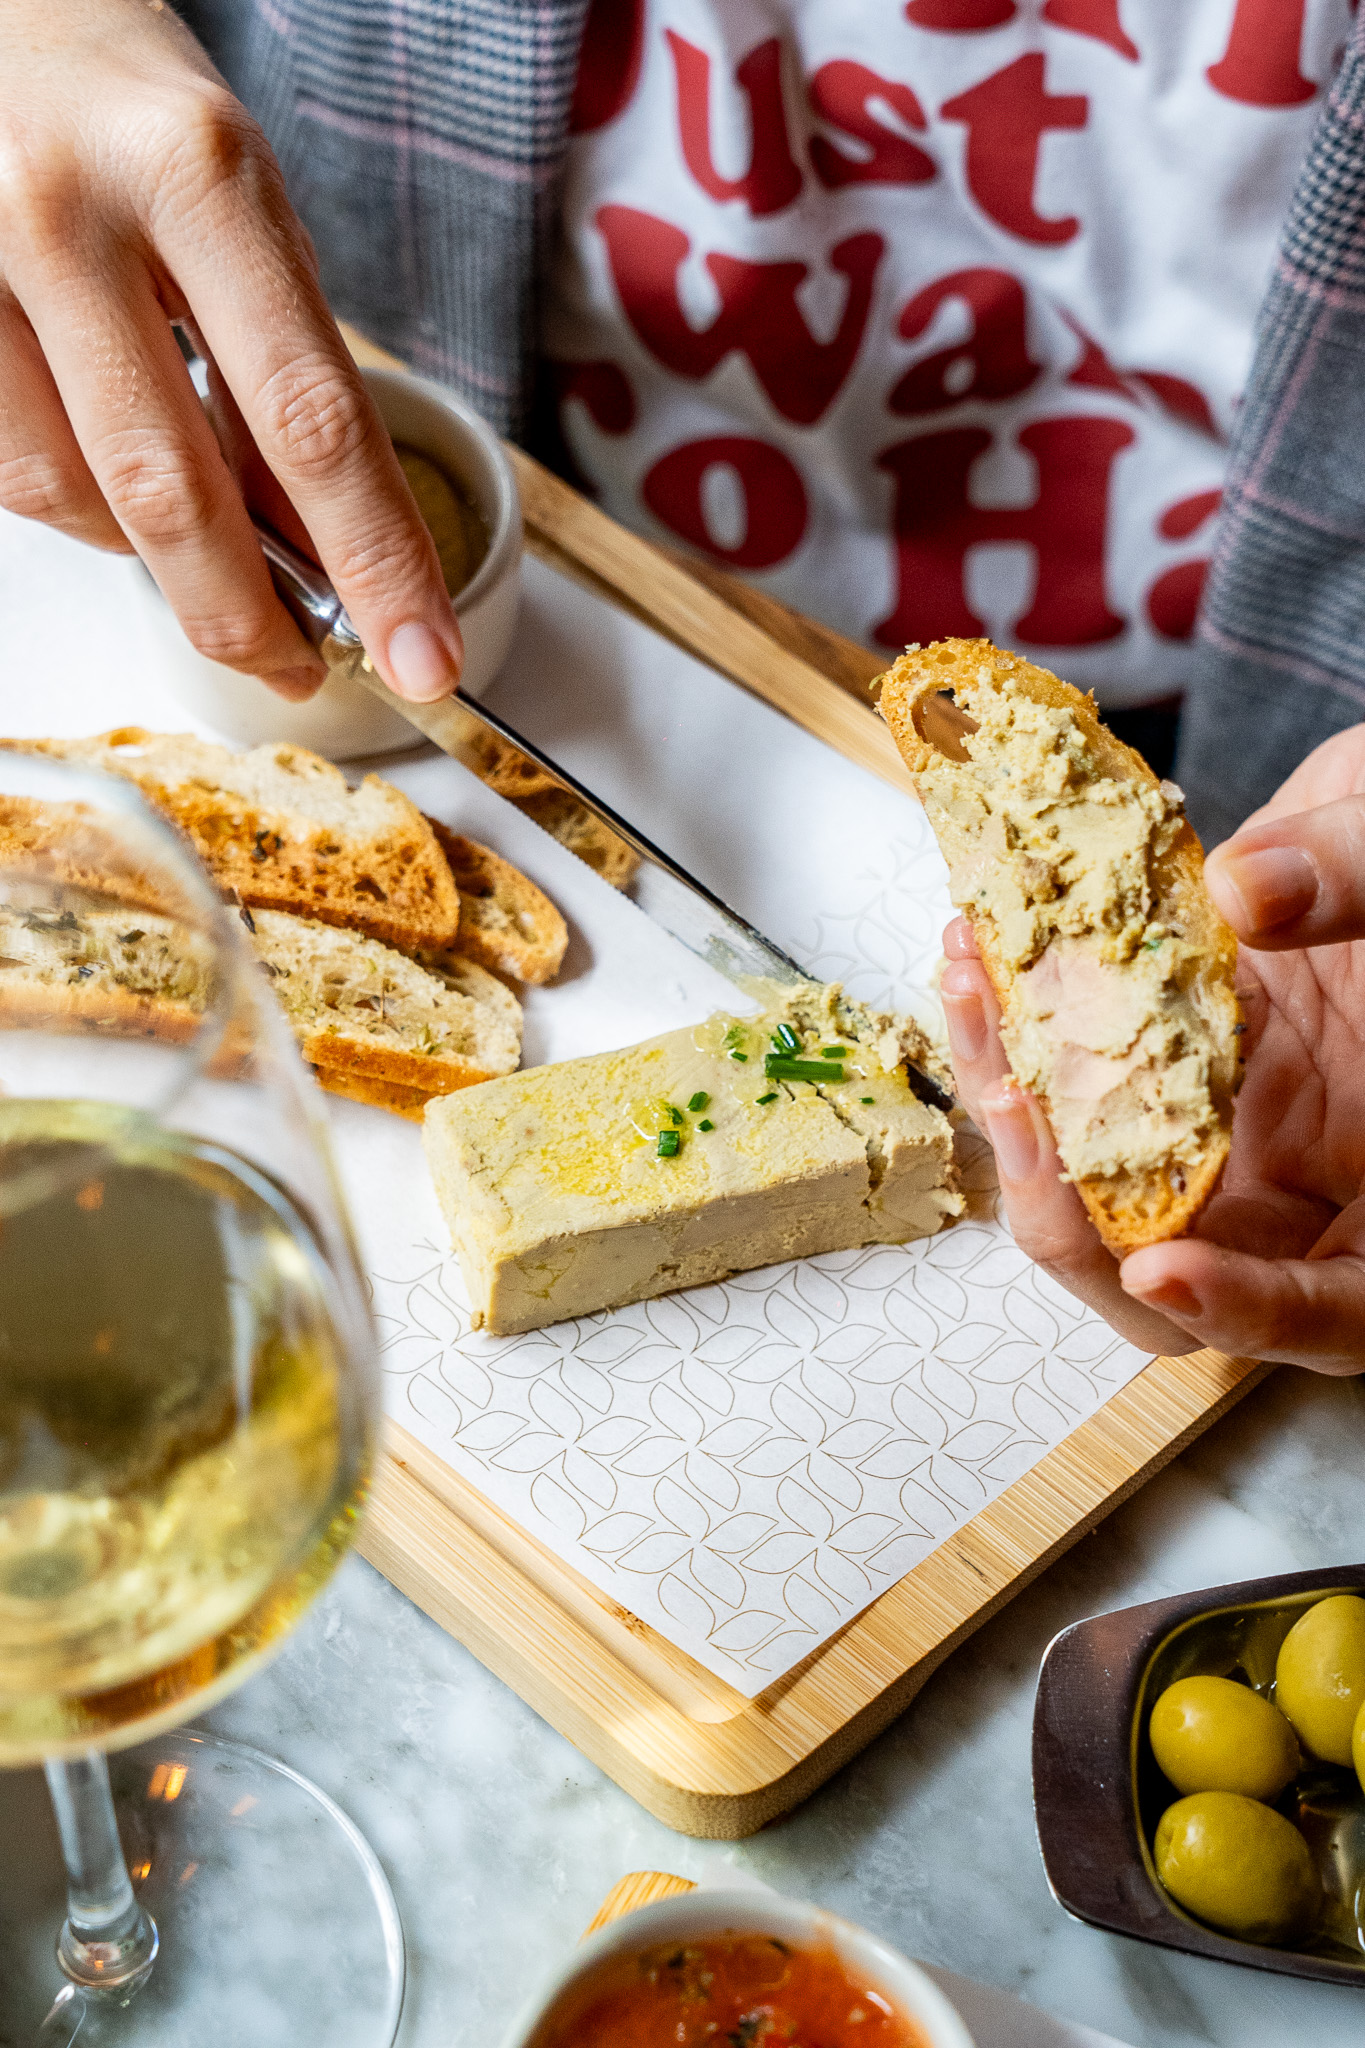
1098	1792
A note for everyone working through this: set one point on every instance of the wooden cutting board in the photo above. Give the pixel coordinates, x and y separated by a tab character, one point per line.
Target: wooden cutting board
689	1747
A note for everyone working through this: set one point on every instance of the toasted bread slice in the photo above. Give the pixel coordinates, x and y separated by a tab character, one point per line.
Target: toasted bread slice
506	922
1083	883
488	990
279	829
131	974
408	1102
566	819
358	1007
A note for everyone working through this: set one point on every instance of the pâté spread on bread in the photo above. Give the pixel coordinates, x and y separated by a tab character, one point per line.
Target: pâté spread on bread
1083	883
704	1152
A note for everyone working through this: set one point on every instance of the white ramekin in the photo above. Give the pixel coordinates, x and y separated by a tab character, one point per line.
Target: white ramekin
343	720
695	1915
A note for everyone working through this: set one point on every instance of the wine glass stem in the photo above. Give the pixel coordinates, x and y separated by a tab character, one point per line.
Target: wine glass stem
107	1939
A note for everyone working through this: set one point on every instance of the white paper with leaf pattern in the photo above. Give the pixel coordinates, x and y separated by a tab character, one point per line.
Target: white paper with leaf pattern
744	1466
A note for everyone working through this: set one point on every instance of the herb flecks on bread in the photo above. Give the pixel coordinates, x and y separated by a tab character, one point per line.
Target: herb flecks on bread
1083	883
279	829
129	973
360	1008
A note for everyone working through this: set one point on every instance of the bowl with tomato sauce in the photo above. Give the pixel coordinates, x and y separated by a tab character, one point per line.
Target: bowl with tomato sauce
737	1969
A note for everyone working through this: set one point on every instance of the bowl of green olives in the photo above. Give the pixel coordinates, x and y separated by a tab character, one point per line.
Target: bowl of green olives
1199	1772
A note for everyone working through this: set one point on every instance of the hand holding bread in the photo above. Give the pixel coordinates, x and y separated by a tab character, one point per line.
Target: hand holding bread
1273	1263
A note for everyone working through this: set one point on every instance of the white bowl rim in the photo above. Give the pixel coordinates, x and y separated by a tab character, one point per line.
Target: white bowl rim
751	1910
504	543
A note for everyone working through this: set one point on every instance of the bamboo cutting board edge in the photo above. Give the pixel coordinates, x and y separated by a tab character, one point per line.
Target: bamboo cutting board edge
689	1748
725	1778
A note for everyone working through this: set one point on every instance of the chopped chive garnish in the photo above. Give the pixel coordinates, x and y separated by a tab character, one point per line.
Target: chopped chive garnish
674	1116
669	1142
699	1100
867	1098
780	1067
740	1056
733	1037
785	1039
770	1097
706	1124
833	1052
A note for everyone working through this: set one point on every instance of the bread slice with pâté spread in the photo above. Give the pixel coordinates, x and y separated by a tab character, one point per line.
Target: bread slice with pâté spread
1083	884
279	829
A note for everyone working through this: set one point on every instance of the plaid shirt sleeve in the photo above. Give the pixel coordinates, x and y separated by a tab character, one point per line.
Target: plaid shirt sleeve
1281	655
421	141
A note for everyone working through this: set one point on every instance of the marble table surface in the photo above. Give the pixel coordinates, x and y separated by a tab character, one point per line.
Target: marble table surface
500	1840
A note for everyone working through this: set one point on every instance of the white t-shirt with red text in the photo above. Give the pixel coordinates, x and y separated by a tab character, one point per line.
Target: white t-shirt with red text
930	316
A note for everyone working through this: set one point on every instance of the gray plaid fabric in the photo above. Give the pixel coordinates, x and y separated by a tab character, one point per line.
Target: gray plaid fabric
421	141
1281	662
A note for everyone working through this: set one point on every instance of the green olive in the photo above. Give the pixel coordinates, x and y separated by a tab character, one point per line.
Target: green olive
1320	1675
1358	1745
1212	1735
1239	1865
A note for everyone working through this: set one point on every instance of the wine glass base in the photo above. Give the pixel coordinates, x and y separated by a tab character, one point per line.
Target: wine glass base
277	1925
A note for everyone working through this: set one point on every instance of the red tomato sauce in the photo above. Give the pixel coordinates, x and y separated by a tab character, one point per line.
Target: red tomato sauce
732	1991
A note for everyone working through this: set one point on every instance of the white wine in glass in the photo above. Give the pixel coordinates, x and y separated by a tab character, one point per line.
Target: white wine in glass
186	1424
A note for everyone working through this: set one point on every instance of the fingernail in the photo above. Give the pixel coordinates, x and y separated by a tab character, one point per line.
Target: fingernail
966	1021
423	667
1175	1295
1272	884
959	941
1009	1126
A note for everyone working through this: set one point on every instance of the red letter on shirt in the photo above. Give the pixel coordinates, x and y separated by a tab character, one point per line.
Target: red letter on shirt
772	180
1260	66
1097	18
842	94
608	63
774	498
1007	116
994	363
958	16
759	315
1173	600
936	523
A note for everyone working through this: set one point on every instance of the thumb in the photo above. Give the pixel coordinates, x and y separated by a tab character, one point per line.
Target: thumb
1296	881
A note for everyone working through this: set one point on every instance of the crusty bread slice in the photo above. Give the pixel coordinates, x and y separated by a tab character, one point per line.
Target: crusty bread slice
408	1102
1083	883
468	978
506	922
359	1007
132	974
278	828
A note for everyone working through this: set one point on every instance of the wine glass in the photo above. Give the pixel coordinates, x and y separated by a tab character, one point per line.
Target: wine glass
187	1418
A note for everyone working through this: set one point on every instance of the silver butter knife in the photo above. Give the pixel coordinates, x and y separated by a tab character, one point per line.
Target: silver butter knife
665	891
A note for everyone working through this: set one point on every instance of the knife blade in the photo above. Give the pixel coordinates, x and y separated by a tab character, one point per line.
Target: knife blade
663	889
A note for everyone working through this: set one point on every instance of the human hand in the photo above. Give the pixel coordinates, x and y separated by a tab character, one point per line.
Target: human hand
1275	1267
134	190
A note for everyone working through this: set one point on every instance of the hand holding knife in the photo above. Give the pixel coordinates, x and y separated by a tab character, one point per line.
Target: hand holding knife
684	907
